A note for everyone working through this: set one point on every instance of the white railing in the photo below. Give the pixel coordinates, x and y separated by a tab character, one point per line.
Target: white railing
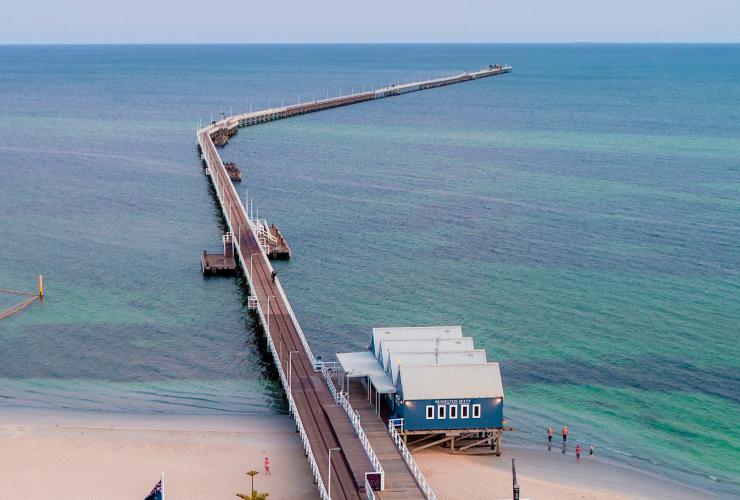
369	490
354	417
426	488
211	155
294	411
283	379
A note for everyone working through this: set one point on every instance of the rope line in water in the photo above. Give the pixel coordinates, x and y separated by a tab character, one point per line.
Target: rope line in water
15	292
18	307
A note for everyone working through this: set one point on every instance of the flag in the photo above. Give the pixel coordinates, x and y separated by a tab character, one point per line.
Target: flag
156	493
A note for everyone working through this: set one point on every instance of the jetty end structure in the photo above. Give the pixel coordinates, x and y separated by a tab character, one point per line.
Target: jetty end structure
367	462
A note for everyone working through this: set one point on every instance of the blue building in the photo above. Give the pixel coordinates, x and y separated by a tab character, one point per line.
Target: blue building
450	397
431	381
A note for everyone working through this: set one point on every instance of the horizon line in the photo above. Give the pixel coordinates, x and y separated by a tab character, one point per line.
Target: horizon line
571	42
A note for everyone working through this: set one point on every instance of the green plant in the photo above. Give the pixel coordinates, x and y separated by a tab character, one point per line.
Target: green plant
256	495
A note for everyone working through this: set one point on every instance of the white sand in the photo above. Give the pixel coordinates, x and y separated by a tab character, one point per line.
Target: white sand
542	475
69	455
75	455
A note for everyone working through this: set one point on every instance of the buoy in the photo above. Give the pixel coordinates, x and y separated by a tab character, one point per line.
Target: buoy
41	286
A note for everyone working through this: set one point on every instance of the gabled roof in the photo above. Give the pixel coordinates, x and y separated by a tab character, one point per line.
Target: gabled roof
477	356
450	381
392	347
413	332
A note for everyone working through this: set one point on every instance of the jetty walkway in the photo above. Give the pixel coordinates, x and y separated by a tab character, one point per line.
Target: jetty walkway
339	451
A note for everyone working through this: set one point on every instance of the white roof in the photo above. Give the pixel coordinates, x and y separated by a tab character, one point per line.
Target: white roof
451	381
392	347
364	364
475	357
414	332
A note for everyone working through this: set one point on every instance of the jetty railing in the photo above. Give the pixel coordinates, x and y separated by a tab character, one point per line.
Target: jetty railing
293	410
277	113
215	158
354	417
209	156
369	490
424	485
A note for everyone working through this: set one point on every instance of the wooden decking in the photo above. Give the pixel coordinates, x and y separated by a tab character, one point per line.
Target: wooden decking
399	483
310	393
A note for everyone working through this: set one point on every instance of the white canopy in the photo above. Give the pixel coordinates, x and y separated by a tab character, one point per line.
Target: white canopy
364	364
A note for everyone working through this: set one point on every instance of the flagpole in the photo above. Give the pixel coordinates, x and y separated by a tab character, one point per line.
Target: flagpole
162	480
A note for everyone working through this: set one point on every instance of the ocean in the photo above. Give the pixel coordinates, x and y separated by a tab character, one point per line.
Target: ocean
579	217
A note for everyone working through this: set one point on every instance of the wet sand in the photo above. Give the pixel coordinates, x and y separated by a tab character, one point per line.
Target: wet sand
543	475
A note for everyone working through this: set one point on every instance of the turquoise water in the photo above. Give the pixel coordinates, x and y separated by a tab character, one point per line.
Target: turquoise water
578	217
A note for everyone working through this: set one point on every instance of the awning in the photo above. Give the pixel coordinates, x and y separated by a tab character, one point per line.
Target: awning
364	364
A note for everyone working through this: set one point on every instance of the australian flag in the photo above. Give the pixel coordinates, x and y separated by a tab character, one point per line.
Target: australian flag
156	493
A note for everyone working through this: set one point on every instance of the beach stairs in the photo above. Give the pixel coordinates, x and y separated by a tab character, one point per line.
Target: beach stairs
399	482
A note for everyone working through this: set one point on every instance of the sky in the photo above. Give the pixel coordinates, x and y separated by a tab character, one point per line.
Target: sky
248	21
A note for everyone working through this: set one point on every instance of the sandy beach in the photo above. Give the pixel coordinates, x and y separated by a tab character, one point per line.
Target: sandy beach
80	456
543	475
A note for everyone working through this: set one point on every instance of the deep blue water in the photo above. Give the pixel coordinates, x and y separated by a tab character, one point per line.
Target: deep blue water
578	217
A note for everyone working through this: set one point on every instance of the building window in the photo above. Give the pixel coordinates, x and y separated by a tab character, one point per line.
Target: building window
441	411
430	412
453	411
464	411
476	411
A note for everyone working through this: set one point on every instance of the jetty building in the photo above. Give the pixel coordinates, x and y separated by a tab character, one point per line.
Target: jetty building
430	383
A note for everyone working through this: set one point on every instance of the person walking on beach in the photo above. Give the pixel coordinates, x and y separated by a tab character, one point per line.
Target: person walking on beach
578	453
591	452
564	432
549	434
267	466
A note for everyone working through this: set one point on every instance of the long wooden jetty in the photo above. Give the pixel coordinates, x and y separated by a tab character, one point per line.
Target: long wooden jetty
342	456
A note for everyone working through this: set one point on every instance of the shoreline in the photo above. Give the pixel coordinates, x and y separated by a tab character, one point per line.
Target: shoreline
206	455
546	475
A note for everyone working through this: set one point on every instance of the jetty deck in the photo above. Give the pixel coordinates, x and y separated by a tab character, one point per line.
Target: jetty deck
324	417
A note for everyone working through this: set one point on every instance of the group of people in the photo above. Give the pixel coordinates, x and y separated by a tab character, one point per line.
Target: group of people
579	450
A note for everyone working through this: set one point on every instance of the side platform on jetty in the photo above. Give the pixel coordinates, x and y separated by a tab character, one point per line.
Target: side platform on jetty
342	456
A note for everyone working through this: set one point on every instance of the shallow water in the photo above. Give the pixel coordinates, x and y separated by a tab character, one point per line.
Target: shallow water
578	217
